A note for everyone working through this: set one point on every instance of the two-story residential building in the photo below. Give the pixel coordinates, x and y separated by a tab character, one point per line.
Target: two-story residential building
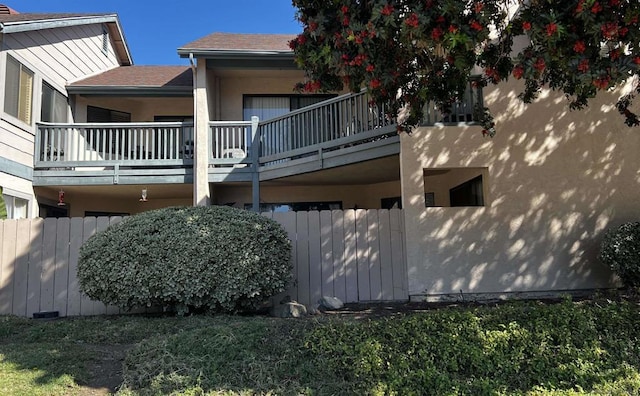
85	132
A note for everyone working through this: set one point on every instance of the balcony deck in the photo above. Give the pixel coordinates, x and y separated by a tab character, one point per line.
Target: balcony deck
332	133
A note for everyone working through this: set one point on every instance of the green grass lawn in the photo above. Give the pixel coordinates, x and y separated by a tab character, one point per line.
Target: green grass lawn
520	348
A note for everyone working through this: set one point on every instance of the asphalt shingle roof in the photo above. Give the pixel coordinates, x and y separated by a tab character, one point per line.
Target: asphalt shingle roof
242	42
141	76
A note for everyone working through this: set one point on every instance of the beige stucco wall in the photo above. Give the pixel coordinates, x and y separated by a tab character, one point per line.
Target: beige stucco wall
555	181
232	90
360	196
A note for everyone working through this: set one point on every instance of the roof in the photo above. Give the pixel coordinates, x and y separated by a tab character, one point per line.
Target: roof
220	45
137	80
12	21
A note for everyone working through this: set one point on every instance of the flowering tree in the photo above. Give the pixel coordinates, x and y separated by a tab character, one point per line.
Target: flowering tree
410	52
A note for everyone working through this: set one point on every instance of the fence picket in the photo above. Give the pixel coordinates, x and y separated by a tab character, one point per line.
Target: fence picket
6	266
34	277
21	269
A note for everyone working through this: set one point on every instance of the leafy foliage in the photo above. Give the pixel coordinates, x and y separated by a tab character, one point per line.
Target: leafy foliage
212	258
620	250
516	349
411	52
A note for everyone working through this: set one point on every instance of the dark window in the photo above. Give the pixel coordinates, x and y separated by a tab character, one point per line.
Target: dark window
391	203
90	213
173	118
54	105
53	211
271	106
468	193
297	206
101	115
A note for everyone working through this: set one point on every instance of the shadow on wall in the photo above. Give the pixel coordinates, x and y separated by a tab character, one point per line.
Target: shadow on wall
556	180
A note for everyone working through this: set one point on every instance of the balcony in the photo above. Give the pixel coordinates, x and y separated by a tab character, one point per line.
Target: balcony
332	133
129	153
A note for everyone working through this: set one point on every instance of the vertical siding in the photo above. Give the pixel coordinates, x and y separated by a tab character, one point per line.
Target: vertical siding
355	255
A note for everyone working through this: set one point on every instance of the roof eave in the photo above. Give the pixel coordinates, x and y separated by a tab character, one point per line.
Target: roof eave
112	21
233	54
94	90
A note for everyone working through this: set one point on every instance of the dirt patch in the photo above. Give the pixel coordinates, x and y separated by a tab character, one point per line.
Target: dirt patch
105	370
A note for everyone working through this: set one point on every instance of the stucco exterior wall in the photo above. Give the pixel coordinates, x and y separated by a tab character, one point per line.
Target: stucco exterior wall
555	181
232	90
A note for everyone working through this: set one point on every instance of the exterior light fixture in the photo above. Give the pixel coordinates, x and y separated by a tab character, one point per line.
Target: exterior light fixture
144	195
61	198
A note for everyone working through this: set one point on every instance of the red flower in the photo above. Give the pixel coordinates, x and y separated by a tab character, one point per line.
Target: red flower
412	20
370	68
375	83
518	72
602	82
596	8
313	26
614	3
301	39
580	7
526	25
552	28
478	7
614	54
539	65
344	9
623	32
345	21
440	19
436	34
609	30
636	60
475	25
583	66
293	44
452	29
312	86
387	10
492	74
579	47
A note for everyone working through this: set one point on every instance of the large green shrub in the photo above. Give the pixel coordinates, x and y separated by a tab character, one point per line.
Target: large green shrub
620	250
206	258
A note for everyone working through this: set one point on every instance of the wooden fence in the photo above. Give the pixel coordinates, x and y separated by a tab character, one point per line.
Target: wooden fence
355	255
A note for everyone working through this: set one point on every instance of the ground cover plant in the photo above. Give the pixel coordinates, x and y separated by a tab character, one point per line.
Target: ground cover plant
523	348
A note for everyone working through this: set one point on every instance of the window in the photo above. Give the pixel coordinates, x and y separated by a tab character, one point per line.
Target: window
391	203
18	92
99	114
54	105
297	206
468	193
454	187
102	140
267	107
17	208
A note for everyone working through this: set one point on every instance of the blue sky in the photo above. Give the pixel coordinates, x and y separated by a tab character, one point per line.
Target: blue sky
154	29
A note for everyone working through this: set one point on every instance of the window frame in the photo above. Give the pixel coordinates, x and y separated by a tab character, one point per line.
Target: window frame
10	196
56	94
22	70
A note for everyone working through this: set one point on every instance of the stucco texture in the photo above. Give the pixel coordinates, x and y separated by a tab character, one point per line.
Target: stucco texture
555	180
